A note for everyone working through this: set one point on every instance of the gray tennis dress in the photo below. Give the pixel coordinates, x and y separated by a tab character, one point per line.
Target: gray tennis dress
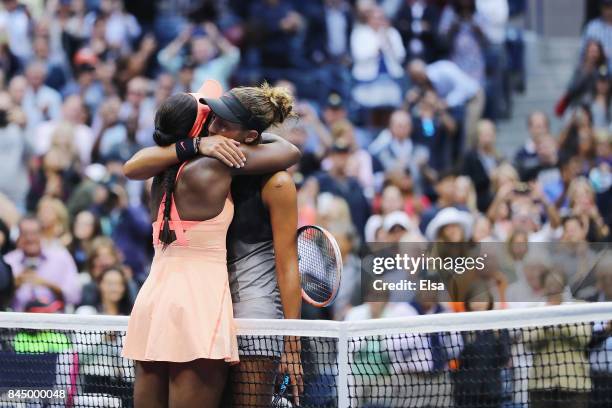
250	254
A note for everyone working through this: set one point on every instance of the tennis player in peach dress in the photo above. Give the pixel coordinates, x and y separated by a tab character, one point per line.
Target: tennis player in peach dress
181	332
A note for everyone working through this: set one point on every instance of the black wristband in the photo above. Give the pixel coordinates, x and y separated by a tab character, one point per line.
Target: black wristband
185	149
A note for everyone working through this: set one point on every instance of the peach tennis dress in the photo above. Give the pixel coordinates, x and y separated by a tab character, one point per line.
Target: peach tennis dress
183	311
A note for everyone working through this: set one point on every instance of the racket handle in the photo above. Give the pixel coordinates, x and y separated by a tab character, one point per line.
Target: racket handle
284	385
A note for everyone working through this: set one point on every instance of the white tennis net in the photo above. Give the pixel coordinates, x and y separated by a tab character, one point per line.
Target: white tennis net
503	358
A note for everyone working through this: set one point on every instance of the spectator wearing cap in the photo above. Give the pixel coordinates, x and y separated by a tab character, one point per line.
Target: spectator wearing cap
42	274
480	162
450	225
335	110
600	29
207	62
394	147
85	82
399	227
338	182
378	54
40	102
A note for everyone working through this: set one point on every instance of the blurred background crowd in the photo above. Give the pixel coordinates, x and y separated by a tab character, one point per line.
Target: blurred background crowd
397	102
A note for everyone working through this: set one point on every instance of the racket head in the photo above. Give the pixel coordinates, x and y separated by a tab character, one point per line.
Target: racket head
319	264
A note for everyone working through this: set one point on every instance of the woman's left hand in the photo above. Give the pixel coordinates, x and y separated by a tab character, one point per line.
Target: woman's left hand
223	149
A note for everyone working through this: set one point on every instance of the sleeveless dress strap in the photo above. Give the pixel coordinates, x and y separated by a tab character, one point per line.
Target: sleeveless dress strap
175	222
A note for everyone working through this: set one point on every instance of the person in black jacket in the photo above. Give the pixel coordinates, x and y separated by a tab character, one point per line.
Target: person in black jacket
478	380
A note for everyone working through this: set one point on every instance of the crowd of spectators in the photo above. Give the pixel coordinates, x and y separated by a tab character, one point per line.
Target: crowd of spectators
397	101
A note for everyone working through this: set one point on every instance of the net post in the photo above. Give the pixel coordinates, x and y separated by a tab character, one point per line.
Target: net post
343	368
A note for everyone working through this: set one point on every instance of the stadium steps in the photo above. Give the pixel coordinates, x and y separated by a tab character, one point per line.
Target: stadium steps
550	63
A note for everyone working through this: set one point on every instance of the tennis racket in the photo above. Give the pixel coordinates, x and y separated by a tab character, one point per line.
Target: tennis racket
320	265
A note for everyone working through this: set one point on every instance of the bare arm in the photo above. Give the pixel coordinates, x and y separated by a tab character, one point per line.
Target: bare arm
149	162
280	196
268	157
274	154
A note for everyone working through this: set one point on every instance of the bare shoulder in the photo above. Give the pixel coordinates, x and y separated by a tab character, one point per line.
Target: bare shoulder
279	180
203	171
279	190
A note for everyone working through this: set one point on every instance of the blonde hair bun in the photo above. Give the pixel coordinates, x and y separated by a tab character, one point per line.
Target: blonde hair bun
281	98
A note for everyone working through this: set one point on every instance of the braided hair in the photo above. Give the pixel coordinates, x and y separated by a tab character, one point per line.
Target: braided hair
173	121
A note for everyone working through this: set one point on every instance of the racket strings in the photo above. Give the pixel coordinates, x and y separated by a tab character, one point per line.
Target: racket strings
317	265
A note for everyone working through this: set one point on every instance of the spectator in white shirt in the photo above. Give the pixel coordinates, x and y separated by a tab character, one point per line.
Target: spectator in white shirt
378	54
394	148
15	20
73	112
40	102
493	20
